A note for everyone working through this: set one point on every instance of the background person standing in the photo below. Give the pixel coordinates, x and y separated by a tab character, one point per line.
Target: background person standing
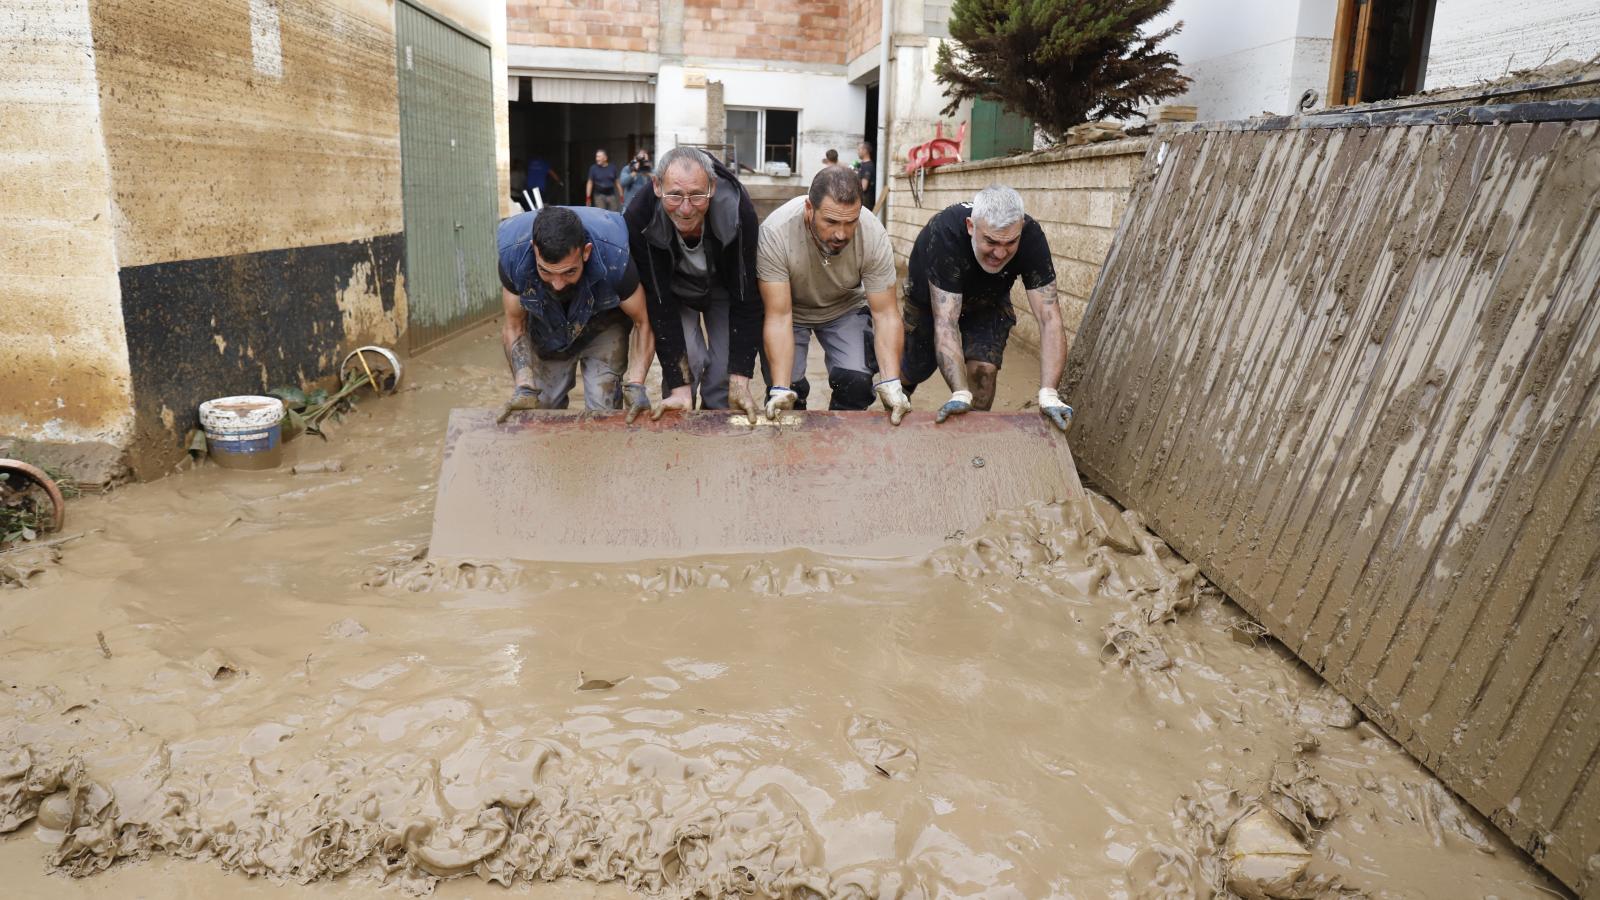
601	189
868	175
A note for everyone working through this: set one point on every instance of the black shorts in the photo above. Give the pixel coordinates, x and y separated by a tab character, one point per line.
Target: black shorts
985	328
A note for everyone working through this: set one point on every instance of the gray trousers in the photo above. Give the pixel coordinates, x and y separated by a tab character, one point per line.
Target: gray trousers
611	201
844	343
847	352
705	338
604	361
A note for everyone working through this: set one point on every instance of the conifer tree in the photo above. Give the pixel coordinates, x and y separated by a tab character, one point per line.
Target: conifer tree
1059	62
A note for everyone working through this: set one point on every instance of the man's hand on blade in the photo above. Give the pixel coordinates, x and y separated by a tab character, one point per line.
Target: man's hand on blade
959	403
1051	407
894	399
739	397
524	397
678	400
635	399
779	399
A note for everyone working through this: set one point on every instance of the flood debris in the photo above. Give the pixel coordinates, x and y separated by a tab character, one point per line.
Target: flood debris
794	724
887	750
585	683
1266	859
22	567
326	466
217	666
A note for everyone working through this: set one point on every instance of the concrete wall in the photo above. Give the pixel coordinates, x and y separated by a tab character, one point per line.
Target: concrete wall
64	375
1077	195
1250	56
1351	368
1474	40
211	197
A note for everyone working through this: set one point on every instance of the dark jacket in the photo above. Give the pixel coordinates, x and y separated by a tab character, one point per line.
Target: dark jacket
732	232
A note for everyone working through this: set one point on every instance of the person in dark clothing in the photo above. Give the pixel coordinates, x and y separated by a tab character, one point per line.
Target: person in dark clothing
693	239
570	290
867	174
601	189
958	311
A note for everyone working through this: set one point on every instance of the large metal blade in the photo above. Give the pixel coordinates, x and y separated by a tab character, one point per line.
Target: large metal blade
569	486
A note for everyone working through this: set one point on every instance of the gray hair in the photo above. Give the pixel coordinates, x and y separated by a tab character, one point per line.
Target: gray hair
692	156
997	206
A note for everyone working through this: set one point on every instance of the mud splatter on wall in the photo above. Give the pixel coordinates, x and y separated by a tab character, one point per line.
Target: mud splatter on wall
63	360
256	185
1350	365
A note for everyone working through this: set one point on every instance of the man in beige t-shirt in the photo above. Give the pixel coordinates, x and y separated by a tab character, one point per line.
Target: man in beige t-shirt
823	268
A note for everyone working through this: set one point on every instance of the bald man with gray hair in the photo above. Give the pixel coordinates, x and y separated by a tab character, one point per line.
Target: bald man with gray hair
958	313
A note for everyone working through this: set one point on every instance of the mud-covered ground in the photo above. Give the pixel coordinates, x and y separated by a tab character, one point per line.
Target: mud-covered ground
262	674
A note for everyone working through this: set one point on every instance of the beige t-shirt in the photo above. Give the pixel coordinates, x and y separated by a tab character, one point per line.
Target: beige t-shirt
821	293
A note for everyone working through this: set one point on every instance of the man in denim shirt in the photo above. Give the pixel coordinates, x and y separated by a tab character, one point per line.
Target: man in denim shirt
570	292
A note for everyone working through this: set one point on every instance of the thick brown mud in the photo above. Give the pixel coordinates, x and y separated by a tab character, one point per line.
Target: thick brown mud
265	674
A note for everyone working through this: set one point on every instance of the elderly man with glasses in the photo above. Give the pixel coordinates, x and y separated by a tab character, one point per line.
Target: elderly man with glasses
693	240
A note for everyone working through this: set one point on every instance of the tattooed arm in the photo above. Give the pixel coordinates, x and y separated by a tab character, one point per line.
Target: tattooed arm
1052	354
514	337
947	337
1052	339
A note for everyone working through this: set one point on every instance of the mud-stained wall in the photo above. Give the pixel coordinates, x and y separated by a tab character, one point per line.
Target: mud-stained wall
1350	365
64	375
1076	194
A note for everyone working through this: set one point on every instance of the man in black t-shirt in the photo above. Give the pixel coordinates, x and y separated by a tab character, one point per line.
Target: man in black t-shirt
867	174
601	189
958	307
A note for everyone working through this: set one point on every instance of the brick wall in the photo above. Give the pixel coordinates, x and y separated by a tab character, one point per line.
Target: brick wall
805	31
1077	195
598	25
866	25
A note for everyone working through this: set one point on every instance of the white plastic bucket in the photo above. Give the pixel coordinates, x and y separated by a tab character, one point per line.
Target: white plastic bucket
244	432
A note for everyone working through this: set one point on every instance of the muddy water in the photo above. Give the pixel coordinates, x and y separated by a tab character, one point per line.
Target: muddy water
287	688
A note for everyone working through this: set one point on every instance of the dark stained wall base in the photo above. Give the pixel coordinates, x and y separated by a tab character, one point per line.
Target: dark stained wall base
204	328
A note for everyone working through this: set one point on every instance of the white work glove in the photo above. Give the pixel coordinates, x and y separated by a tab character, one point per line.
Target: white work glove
959	402
1052	408
780	399
894	399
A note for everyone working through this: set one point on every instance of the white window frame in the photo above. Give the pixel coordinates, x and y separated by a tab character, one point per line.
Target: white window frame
761	131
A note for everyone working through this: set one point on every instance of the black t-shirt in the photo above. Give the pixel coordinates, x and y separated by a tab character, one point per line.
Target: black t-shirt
604	178
943	255
865	170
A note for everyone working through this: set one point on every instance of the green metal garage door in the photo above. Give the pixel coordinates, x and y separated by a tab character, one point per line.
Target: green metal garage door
447	175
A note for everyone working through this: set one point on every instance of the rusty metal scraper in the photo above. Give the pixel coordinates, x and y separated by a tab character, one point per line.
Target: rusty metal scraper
557	485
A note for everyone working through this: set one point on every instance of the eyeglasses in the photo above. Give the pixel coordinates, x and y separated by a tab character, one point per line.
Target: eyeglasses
676	199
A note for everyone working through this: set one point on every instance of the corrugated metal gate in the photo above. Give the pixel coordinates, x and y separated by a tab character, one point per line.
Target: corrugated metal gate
1350	365
447	157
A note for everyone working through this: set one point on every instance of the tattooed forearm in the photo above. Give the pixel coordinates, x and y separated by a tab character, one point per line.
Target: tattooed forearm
519	355
1052	337
947	337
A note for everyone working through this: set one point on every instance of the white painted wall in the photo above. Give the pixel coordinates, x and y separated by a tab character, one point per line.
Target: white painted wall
832	110
1247	57
1474	40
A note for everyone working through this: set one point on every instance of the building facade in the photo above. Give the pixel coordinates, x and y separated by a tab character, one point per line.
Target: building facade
771	87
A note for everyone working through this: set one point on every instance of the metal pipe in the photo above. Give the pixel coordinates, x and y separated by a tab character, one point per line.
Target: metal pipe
881	155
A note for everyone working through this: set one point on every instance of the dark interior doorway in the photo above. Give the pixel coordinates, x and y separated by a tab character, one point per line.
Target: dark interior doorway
1380	50
566	135
869	125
